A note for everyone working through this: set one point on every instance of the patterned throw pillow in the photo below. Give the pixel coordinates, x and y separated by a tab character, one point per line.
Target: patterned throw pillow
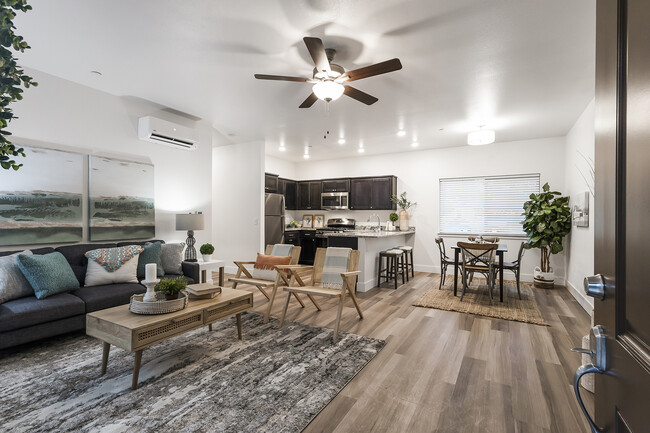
48	274
171	257
112	265
13	284
151	254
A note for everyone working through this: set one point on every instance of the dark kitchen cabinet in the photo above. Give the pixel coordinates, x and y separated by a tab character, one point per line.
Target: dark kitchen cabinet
309	195
270	182
308	247
336	185
373	193
292	237
288	188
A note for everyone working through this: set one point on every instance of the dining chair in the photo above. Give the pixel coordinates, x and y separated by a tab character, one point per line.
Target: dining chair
478	258
333	275
515	267
444	261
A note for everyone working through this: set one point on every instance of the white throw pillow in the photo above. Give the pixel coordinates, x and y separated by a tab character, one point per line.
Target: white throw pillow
13	284
96	275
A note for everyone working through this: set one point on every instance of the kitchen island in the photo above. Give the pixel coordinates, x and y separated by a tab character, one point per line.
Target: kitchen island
370	244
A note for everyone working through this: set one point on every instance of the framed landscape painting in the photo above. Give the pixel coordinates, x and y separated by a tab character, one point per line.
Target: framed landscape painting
121	200
42	201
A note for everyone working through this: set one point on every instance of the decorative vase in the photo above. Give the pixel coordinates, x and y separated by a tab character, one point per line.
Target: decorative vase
403	220
207	257
543	280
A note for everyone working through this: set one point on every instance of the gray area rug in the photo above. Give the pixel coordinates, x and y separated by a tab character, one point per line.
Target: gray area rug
275	380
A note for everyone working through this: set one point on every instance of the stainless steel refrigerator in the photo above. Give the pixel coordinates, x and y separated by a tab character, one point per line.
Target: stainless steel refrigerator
273	218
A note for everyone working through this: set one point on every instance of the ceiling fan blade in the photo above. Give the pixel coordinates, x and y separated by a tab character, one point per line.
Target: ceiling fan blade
372	70
359	95
317	52
309	101
280	78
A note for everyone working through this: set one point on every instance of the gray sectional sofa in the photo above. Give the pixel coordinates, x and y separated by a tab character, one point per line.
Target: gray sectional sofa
28	319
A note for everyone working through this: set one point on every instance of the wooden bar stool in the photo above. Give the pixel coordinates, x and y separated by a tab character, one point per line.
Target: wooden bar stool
408	260
394	266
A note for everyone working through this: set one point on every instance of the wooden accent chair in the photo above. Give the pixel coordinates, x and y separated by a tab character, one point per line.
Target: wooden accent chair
244	276
445	261
349	282
478	258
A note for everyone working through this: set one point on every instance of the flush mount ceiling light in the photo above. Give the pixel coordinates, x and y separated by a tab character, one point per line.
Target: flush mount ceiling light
401	133
328	90
341	140
480	137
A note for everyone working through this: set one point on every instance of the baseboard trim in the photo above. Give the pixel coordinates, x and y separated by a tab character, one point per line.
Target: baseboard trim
581	298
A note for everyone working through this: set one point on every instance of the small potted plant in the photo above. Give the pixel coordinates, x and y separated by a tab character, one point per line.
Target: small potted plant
547	220
206	250
171	287
404	204
393	217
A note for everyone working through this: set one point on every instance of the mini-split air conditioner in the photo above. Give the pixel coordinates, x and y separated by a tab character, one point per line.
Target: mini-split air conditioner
168	133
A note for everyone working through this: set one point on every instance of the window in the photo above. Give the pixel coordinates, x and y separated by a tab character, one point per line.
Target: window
482	205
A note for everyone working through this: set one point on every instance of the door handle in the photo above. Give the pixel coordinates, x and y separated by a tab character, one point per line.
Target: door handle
599	356
595	286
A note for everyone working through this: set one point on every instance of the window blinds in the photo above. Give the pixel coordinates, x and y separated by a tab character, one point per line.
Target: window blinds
485	205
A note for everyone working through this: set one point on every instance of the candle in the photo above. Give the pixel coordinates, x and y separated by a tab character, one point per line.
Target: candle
150	272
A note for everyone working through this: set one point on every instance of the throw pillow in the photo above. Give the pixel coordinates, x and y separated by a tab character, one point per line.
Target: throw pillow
264	268
171	257
13	284
112	265
48	274
151	254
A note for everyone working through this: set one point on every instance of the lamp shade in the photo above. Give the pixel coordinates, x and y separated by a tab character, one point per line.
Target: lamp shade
189	221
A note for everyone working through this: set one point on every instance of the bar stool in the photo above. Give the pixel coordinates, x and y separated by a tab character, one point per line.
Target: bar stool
394	266
408	260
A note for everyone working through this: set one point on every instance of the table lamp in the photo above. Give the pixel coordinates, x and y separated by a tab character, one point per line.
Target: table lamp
190	222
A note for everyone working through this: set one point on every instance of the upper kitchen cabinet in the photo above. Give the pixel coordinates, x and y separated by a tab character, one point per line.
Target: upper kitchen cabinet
373	193
270	182
309	195
336	185
289	189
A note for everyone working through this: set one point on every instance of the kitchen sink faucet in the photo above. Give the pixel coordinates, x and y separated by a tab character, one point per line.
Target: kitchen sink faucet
378	222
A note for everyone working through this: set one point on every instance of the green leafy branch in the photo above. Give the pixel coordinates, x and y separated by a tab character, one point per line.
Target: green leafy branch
402	202
12	78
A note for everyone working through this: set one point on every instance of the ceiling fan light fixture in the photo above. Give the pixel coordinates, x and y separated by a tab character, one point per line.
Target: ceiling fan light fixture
328	90
480	137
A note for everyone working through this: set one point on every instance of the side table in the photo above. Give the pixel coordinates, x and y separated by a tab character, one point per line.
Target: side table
210	266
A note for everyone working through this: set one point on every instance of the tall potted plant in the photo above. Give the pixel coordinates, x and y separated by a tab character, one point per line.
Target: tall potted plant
547	220
404	204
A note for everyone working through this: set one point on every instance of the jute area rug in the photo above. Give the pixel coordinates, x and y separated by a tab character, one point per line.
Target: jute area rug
477	301
275	380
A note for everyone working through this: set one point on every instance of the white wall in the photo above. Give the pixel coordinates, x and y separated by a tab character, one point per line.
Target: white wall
419	172
580	242
238	202
282	168
60	114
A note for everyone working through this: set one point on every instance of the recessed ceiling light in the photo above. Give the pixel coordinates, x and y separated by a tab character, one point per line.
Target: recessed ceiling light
401	133
415	144
361	150
341	140
282	148
306	156
480	137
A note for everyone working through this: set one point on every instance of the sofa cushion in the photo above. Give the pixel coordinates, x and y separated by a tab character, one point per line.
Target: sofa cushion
107	296
13	284
151	254
74	254
171	256
97	275
48	274
41	251
29	311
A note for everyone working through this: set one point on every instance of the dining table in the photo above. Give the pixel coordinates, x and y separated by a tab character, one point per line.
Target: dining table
501	249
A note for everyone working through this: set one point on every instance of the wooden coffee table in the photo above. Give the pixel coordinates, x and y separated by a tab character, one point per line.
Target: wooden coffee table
133	332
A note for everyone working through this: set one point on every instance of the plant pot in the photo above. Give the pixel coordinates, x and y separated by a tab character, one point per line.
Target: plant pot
171	297
403	220
207	257
543	280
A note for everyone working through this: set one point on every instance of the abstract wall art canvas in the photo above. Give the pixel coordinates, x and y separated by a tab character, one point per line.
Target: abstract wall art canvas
42	202
121	200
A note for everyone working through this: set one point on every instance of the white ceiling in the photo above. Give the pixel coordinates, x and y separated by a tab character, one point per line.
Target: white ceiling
524	68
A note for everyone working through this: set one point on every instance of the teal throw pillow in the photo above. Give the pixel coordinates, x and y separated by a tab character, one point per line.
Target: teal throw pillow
48	274
151	254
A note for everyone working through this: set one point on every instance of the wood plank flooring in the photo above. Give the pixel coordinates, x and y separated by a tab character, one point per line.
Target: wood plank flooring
443	371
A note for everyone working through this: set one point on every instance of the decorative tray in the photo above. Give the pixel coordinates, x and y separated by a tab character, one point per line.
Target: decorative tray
161	306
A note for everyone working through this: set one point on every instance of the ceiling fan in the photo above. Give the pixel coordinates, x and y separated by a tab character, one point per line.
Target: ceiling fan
329	78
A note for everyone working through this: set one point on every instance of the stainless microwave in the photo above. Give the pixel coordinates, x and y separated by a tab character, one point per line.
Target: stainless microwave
334	200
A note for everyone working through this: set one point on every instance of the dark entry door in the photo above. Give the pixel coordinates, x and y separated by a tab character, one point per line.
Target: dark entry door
622	243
